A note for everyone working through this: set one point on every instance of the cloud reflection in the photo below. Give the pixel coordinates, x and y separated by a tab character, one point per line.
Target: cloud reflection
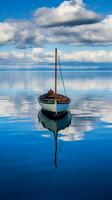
86	113
90	94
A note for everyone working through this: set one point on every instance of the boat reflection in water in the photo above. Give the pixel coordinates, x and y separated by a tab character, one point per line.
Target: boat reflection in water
55	125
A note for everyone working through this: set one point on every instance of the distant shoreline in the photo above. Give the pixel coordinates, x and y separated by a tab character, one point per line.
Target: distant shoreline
52	70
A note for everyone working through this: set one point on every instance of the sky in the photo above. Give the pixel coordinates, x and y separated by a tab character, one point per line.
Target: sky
30	30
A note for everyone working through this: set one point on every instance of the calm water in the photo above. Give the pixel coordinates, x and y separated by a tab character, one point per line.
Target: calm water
36	163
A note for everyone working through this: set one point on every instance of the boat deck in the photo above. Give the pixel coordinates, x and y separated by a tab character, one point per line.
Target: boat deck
50	97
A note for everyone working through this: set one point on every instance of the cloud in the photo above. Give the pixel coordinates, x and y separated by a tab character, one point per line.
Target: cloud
99	56
38	56
70	23
94	34
22	34
68	13
23	57
33	33
7	32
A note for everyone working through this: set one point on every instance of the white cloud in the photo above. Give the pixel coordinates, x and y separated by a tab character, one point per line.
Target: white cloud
70	23
38	56
98	56
68	13
7	32
22	34
93	34
26	33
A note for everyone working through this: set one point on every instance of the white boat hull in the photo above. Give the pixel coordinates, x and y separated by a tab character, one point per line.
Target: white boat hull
56	107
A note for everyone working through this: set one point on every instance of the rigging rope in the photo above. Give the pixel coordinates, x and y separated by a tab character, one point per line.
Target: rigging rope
62	76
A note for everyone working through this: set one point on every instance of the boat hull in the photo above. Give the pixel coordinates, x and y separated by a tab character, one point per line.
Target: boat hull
54	107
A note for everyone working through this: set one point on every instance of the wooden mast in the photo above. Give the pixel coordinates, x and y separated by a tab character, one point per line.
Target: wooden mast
55	70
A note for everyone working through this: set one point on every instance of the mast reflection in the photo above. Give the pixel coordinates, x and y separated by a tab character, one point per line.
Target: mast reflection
55	125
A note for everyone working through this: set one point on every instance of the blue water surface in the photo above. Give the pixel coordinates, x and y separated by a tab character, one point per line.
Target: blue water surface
30	166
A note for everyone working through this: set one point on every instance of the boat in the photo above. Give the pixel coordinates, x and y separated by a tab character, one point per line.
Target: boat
52	101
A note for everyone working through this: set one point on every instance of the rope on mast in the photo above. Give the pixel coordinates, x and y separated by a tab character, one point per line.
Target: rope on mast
62	76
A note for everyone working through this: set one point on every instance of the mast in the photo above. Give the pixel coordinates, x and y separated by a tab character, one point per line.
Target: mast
55	70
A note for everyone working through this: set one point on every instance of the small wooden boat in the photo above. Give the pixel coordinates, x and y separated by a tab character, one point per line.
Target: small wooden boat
52	101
